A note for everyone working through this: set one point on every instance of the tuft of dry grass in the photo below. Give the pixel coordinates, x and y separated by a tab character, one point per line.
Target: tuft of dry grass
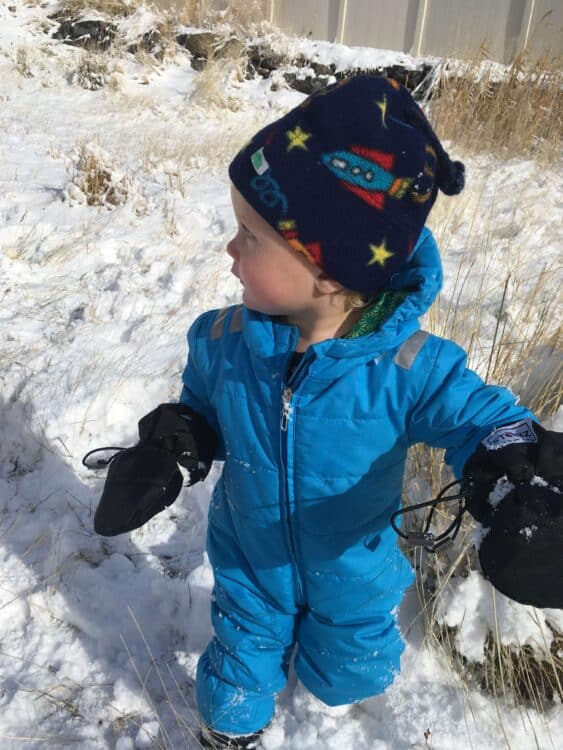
213	87
92	72
238	14
111	8
22	63
521	672
198	13
243	14
518	111
95	182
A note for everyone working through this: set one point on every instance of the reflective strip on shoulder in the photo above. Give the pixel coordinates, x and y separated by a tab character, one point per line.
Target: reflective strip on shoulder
219	323
236	320
409	349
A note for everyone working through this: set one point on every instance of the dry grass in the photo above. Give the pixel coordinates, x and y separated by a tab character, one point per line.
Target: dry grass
243	14
231	25
92	72
519	357
22	63
94	181
508	320
519	114
520	672
200	13
525	351
212	151
197	13
213	87
111	8
160	44
187	720
239	14
513	674
215	138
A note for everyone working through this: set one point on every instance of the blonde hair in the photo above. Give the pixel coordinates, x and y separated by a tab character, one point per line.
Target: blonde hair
356	300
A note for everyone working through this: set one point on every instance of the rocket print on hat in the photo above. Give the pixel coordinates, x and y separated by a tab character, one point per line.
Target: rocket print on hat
367	173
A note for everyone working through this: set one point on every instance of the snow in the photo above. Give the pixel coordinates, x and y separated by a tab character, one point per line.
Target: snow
340	55
513	623
502	488
100	636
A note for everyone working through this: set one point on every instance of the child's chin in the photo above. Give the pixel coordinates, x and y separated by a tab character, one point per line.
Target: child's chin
251	303
262	307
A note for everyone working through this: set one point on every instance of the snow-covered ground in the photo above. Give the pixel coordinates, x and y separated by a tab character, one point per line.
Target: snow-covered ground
99	637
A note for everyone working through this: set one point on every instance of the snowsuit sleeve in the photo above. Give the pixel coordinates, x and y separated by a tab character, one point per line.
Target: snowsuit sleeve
456	409
194	392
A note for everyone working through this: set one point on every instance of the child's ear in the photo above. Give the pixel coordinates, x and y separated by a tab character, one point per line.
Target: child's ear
325	284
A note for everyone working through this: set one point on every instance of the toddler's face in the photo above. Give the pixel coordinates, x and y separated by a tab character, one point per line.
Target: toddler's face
276	279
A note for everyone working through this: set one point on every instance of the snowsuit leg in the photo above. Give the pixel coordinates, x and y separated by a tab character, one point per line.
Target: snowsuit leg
345	662
246	663
349	642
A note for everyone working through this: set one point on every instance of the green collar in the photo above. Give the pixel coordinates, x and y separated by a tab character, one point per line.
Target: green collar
376	314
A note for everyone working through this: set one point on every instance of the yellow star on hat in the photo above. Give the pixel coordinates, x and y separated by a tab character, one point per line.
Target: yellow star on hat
380	254
297	138
382	104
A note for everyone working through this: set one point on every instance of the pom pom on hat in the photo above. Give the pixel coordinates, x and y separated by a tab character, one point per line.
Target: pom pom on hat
348	178
451	177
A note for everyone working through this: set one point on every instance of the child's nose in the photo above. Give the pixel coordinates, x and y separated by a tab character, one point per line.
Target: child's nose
232	250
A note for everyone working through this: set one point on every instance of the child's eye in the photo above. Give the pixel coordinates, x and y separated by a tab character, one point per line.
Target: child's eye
248	234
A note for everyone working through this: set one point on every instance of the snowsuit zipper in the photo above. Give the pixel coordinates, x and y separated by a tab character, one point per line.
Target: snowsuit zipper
286	432
287	394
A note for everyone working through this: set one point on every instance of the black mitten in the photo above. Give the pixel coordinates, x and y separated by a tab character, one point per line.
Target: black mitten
141	482
185	434
520	552
145	479
519	451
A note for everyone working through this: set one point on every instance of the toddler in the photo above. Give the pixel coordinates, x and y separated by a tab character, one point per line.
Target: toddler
312	390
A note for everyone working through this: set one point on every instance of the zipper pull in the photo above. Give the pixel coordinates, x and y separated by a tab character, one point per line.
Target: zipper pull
286	408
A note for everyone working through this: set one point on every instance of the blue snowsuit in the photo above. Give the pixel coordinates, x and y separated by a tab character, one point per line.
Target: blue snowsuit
299	535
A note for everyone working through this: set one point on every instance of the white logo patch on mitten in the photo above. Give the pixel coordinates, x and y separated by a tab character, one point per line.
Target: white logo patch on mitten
519	432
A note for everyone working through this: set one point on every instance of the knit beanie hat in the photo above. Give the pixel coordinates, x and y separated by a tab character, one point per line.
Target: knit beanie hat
348	178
